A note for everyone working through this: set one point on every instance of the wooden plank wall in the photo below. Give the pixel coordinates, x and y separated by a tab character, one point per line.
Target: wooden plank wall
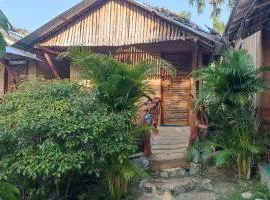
175	105
115	23
134	56
265	101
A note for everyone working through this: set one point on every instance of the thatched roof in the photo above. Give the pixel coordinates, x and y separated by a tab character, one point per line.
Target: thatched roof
60	21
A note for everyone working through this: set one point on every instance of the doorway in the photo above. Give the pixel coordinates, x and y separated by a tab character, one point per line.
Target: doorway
175	90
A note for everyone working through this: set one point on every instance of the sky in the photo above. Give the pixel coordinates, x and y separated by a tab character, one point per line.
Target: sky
31	14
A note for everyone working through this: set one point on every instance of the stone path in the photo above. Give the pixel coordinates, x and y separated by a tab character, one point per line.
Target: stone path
177	188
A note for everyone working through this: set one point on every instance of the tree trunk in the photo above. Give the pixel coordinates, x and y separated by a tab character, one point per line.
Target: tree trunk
243	166
249	169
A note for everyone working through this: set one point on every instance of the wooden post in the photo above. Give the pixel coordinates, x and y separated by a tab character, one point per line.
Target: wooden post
51	65
32	70
2	78
74	72
194	66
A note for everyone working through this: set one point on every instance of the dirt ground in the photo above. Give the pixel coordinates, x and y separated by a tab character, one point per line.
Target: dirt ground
222	179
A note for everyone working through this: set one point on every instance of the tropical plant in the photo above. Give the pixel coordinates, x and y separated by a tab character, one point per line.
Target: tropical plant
231	82
119	174
228	91
234	142
8	191
120	85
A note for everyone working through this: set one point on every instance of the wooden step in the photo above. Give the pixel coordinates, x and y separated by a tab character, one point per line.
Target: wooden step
168	164
169	142
171	137
169	151
168	156
164	129
173	134
169	147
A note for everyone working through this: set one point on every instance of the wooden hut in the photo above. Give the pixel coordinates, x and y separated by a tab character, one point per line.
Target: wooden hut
132	32
249	28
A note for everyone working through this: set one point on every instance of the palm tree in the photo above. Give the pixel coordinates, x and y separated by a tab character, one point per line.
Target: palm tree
219	26
185	14
215	4
5	26
228	92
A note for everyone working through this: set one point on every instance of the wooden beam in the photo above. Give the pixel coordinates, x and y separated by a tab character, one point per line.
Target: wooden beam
51	65
47	50
2	78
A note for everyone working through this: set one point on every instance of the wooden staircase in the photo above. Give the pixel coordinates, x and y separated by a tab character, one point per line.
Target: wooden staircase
169	148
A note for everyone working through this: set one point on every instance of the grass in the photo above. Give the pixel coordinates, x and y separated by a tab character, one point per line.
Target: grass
259	192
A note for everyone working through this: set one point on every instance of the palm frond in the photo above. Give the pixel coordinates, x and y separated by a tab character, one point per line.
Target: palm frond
4	23
222	157
8	191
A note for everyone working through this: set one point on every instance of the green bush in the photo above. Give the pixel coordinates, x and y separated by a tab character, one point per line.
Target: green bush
53	130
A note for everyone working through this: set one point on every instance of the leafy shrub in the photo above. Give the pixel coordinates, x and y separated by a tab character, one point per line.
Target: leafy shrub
53	130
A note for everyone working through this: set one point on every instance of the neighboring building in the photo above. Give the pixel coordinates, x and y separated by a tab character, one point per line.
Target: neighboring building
249	28
14	57
132	32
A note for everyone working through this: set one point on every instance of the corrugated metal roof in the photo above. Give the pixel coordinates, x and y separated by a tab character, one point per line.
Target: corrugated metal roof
59	21
248	17
21	53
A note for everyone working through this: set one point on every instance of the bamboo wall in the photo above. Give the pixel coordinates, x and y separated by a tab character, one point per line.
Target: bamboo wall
115	23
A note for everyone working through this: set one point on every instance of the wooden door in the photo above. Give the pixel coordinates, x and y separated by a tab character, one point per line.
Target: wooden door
175	105
174	101
18	76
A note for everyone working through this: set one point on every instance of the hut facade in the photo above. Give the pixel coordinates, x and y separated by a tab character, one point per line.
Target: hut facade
131	32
